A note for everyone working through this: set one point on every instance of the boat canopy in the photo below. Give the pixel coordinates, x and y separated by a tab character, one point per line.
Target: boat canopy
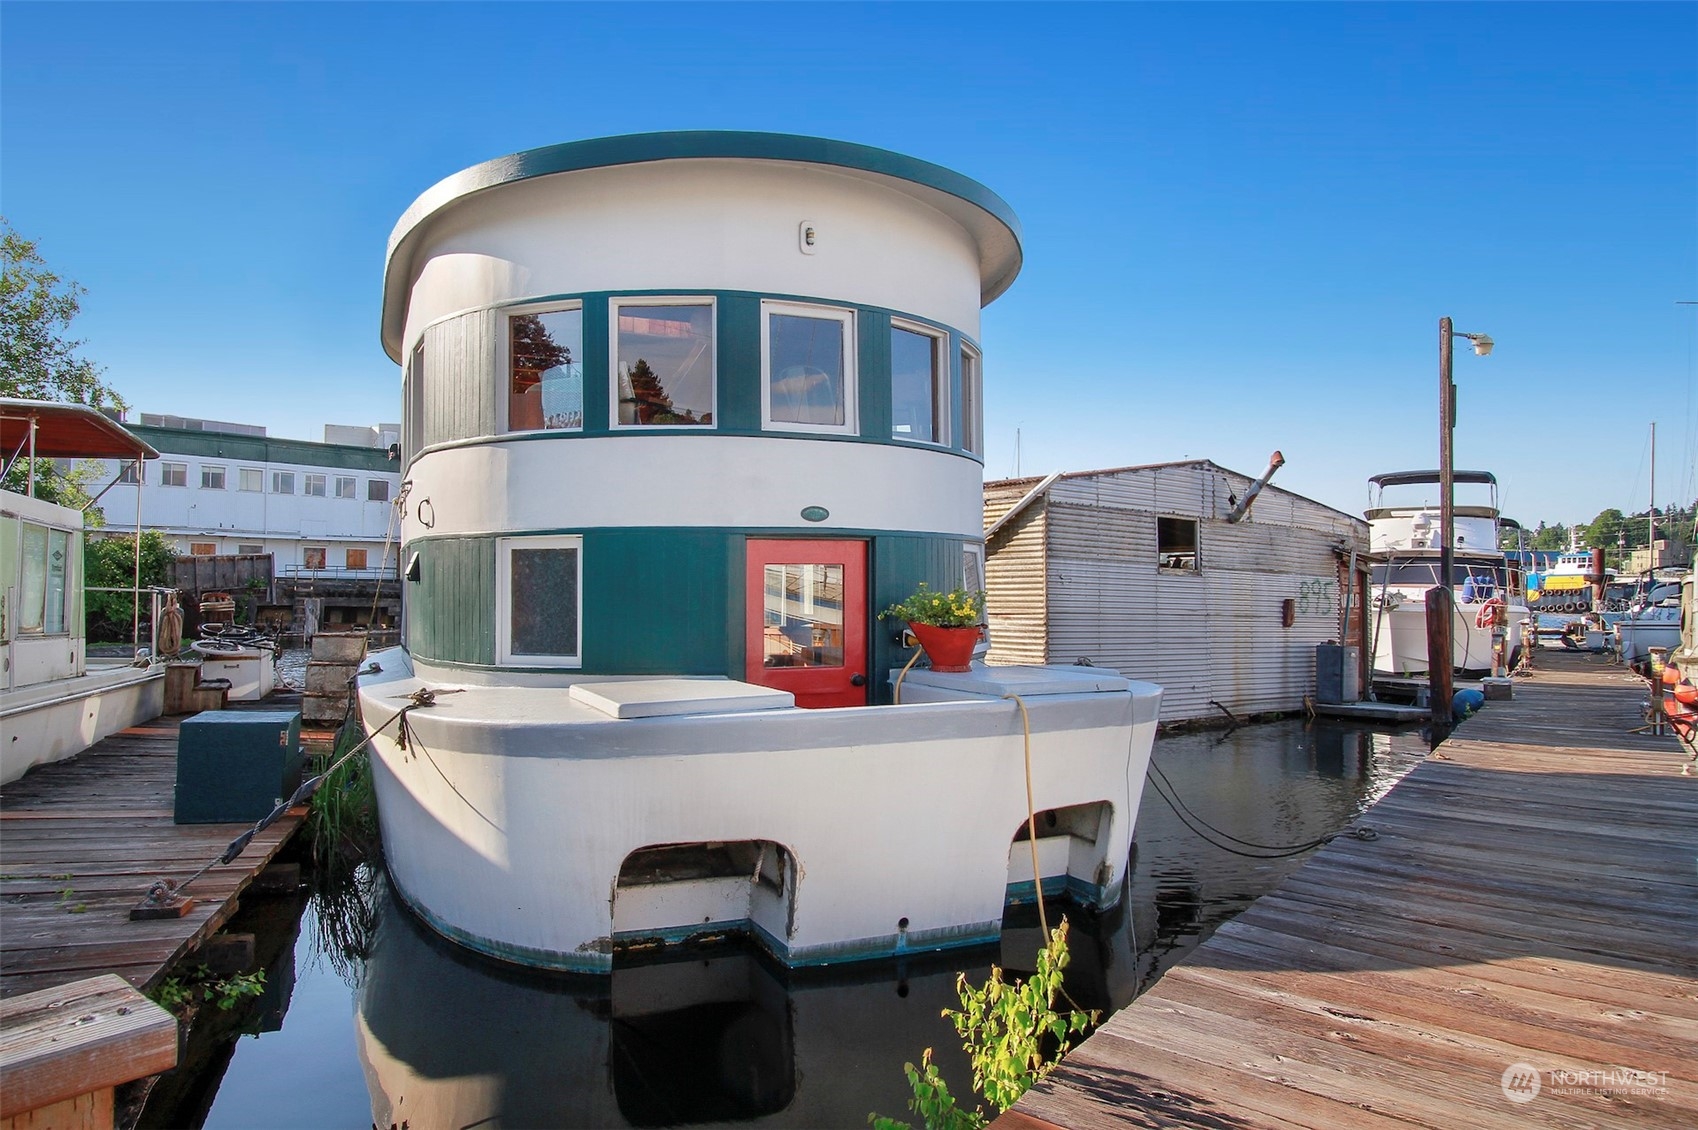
1403	478
65	431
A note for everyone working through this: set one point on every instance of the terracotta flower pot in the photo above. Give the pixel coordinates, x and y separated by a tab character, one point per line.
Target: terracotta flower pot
949	649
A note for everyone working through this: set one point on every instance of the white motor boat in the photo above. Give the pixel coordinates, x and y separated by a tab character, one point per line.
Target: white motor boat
1490	606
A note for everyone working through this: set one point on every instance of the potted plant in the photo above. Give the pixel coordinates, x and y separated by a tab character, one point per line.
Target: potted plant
947	624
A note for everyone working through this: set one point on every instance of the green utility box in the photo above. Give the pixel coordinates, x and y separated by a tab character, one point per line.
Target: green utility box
233	766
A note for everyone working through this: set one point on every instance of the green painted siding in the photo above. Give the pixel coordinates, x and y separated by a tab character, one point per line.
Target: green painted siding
598	391
739	362
872	354
900	563
460	376
451	607
656	601
260	449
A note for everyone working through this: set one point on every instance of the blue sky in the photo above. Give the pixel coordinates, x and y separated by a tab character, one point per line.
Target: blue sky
1242	222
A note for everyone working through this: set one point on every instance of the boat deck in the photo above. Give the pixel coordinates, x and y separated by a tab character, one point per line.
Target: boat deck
82	841
1530	900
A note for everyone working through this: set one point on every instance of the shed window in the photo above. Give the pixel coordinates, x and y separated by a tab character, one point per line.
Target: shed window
312	556
282	482
1176	543
345	485
356	559
808	362
203	549
545	370
130	472
663	362
538	594
919	386
174	474
250	478
314	486
211	477
377	490
250	549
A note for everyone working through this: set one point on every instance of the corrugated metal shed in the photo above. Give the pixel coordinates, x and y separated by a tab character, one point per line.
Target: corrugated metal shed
1074	575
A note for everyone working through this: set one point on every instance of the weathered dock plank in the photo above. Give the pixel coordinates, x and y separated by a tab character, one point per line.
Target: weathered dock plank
80	843
1531	899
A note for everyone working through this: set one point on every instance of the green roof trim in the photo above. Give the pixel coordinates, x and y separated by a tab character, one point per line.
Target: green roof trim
263	449
632	149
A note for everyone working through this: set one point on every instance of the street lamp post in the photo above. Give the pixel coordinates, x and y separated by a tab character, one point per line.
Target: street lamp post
1440	650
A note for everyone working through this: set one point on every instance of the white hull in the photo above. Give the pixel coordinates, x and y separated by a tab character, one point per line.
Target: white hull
510	814
1400	646
1638	637
52	721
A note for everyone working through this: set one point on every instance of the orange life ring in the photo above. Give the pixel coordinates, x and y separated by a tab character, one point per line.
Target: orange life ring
1488	614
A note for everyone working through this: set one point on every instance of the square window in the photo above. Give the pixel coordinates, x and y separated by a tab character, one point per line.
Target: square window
545	370
356	558
312	556
282	482
211	478
174	474
203	549
313	486
538	600
663	362
808	368
345	485
919	386
377	490
972	402
1176	544
250	478
131	472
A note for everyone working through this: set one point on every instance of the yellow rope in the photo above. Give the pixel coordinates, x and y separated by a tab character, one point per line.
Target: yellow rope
911	661
1032	816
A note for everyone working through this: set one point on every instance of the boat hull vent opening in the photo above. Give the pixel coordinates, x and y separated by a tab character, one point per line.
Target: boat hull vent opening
1072	856
696	895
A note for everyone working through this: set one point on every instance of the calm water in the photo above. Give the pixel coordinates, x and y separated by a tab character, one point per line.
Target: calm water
416	1033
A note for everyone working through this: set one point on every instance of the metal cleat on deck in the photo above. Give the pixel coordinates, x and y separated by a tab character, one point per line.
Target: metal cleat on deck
162	901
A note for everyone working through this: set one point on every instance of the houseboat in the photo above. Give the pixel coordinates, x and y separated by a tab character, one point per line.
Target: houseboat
54	701
682	413
1406	541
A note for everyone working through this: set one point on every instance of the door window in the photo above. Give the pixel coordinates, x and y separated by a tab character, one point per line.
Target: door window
803	616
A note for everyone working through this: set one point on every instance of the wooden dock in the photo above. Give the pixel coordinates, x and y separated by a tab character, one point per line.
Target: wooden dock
80	843
1531	900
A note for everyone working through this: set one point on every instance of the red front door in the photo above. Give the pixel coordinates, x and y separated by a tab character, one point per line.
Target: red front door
807	619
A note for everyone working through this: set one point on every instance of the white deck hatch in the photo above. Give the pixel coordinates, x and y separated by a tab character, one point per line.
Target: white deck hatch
664	698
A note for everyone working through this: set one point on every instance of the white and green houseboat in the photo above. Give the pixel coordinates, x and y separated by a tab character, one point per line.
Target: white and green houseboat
683	412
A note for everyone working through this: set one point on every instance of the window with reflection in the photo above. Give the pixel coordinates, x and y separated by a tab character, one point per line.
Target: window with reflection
663	363
45	558
538	594
808	361
803	616
545	370
919	391
972	401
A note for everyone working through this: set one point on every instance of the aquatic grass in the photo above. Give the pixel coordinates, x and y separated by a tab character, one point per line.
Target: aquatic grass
343	813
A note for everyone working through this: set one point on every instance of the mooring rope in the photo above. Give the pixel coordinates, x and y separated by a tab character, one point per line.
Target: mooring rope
165	888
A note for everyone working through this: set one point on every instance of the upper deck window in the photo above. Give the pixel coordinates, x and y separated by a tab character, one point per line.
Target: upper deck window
972	401
808	368
919	386
663	362
545	370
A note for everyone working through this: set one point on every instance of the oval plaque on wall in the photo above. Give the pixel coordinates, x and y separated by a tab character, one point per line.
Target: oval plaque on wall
815	513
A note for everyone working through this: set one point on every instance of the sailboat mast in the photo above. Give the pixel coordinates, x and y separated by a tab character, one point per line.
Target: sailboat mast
1651	546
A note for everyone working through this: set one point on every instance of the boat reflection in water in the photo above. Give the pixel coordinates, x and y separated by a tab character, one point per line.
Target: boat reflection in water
447	1038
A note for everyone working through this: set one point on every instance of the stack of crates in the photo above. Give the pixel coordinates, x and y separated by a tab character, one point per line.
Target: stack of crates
335	658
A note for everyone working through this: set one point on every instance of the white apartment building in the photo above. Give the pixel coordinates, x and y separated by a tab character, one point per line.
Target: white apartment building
220	488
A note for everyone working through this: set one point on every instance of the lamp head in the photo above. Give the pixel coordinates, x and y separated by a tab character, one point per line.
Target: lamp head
1482	343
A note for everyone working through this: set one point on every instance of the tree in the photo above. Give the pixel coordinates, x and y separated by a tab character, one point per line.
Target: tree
38	358
1604	530
110	562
